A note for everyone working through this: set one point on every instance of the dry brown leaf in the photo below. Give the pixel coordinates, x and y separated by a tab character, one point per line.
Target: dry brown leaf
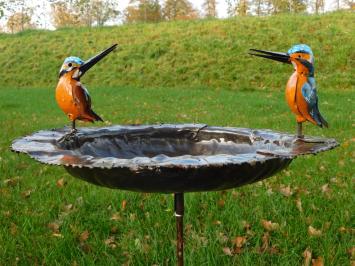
325	189
68	207
239	241
307	255
123	205
6	213
13	229
314	232
111	242
265	239
61	183
246	225
116	217
11	182
26	193
318	262
221	203
286	191
270	226
84	236
227	251
217	222
299	204
114	229
54	227
351	252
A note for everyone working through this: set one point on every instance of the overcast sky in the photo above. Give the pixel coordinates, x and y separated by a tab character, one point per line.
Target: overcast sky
43	16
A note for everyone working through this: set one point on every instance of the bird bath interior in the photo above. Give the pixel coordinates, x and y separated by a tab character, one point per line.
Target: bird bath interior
170	158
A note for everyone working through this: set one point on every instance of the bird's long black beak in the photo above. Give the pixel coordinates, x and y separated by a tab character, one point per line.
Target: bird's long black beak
281	57
93	60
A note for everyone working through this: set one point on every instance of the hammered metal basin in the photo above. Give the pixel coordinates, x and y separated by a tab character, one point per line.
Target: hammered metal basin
170	158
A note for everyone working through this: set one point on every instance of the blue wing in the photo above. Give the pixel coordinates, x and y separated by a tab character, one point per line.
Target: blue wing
309	93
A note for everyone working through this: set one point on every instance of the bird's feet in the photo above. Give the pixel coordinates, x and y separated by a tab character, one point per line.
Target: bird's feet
69	135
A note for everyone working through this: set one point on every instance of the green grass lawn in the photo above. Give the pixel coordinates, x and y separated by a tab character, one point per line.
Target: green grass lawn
48	217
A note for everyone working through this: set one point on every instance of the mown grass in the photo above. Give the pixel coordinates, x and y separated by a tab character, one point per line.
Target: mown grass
209	53
143	232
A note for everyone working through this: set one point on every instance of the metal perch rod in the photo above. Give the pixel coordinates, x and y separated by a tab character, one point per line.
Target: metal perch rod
179	214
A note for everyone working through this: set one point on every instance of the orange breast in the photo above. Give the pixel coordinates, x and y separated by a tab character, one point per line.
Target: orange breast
65	97
295	99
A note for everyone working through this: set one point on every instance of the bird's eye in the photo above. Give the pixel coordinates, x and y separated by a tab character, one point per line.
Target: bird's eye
70	64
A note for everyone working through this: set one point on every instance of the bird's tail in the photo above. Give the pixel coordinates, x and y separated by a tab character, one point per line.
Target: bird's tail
92	116
324	123
321	122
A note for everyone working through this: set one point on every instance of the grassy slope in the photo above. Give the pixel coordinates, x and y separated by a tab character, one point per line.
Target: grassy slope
145	231
209	53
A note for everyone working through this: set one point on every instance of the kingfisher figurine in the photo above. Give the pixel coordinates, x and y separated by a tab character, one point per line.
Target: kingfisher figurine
301	93
72	97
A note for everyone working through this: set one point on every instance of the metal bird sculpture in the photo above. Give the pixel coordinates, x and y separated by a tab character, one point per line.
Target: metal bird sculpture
301	93
72	97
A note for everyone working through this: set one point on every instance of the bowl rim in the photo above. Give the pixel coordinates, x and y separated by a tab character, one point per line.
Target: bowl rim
43	147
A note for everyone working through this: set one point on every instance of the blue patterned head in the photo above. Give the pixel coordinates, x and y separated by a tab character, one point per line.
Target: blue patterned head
301	51
69	64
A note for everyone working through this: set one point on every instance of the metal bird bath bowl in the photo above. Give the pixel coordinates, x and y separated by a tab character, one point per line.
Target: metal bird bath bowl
170	158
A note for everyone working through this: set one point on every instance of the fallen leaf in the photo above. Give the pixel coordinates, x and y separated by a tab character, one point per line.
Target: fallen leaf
114	229
110	242
116	217
325	189
123	205
227	251
351	252
270	226
217	222
286	191
246	225
61	183
6	213
11	182
274	250
314	232
84	236
307	255
54	227
68	207
318	262
85	247
13	229
221	203
27	193
265	239
239	241
299	204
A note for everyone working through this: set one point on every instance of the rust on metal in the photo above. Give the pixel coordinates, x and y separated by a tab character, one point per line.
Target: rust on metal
170	158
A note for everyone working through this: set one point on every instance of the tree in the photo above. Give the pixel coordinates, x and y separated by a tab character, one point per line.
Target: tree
143	11
179	10
103	11
231	7
209	7
318	6
95	12
20	17
19	21
242	7
83	12
63	15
